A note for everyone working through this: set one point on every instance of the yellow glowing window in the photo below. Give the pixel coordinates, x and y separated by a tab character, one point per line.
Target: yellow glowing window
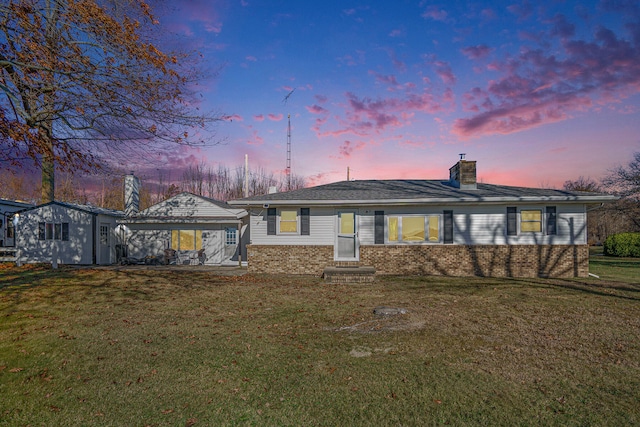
347	223
433	229
186	240
413	228
531	221
393	228
288	221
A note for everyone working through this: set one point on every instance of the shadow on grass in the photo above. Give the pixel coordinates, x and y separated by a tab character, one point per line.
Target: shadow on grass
602	288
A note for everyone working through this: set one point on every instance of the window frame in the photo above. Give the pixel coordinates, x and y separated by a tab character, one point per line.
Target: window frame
53	231
398	219
288	221
231	237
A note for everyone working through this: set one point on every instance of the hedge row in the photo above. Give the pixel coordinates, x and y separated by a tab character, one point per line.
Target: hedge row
623	245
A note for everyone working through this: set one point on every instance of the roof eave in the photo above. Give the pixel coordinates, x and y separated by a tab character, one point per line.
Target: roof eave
427	201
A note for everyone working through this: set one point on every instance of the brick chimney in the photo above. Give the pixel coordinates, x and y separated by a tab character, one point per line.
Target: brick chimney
463	174
131	194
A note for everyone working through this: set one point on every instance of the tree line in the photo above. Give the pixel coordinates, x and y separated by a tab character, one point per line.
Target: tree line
221	183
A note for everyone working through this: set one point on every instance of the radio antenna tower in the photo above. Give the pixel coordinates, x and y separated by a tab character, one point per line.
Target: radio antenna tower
288	169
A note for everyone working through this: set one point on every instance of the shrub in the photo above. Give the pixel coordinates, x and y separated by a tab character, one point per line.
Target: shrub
623	245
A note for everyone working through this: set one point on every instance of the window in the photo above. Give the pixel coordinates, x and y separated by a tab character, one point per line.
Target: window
10	230
231	234
104	235
531	221
53	231
415	228
186	240
288	221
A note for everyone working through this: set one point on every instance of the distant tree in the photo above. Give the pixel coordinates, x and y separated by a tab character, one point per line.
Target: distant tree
81	81
624	181
583	184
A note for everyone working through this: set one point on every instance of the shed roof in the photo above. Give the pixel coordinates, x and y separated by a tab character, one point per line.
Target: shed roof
376	192
96	210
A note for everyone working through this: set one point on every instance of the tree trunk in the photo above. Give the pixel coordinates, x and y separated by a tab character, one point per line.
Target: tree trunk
48	172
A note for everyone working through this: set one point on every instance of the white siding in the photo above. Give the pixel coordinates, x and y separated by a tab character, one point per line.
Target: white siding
77	250
321	222
473	225
188	205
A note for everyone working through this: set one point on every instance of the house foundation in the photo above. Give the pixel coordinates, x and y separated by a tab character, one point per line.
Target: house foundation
438	260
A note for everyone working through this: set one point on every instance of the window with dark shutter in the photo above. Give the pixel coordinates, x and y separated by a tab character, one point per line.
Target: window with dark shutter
271	221
448	226
512	221
305	224
379	228
551	220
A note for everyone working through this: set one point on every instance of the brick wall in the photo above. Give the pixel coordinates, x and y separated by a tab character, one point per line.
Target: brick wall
288	259
444	260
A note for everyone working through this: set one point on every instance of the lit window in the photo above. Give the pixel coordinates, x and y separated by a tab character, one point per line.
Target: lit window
414	228
186	240
288	221
531	221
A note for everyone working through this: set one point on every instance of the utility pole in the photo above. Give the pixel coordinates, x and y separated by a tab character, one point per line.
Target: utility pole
246	175
289	153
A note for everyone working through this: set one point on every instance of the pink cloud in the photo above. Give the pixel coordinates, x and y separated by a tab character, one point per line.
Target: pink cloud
251	58
476	52
347	148
443	70
275	117
255	139
259	118
397	33
316	109
233	117
435	13
388	79
537	87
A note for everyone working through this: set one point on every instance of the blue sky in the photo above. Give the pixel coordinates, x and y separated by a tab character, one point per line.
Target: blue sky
536	92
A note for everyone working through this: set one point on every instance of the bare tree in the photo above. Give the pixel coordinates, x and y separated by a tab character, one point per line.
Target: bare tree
583	184
624	181
81	82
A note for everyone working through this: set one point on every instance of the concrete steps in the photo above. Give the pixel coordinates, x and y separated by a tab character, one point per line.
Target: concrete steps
349	274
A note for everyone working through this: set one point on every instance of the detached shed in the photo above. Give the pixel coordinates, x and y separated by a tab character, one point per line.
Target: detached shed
66	233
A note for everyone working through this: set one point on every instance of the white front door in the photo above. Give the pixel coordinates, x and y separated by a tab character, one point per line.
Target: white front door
347	247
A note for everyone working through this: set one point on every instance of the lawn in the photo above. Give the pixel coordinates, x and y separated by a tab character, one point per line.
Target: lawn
182	348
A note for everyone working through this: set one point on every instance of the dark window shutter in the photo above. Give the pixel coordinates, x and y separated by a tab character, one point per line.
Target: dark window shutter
41	228
551	220
305	224
65	231
512	221
379	228
271	221
448	226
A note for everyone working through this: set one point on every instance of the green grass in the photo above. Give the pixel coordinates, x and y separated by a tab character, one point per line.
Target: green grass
100	347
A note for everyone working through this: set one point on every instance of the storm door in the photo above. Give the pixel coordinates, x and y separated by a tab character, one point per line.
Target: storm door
347	247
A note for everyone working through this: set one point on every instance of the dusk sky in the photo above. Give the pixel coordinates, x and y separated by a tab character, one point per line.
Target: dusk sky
536	92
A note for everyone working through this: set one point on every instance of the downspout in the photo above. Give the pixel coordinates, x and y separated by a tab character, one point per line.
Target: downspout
94	247
240	243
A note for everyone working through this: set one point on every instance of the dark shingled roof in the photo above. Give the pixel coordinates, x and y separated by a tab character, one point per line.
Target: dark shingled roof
420	191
